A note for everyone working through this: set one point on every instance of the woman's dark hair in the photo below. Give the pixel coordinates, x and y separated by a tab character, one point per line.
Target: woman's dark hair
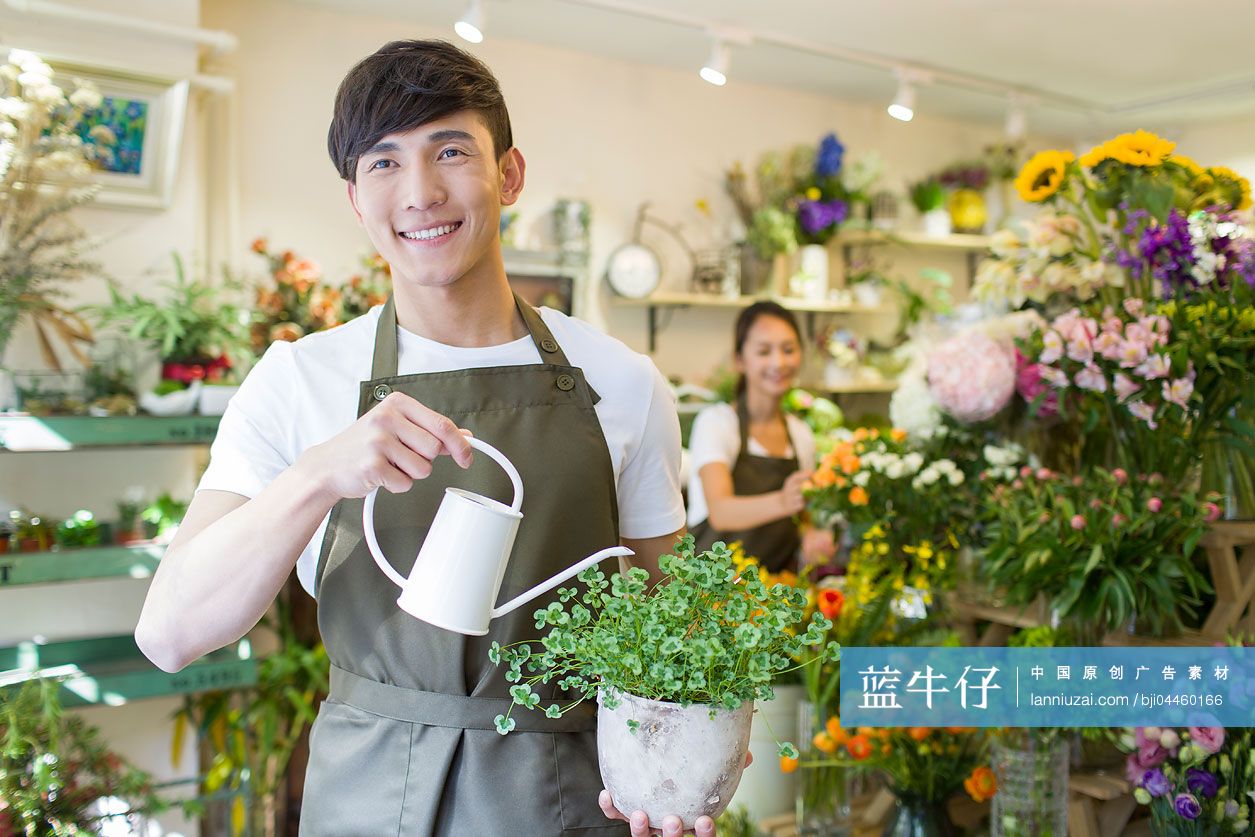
407	84
750	315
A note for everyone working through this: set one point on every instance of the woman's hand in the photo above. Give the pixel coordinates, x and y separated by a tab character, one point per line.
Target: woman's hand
791	498
819	546
671	826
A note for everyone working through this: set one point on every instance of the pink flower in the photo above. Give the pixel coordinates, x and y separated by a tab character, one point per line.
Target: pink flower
1178	392
1132	354
1052	348
1120	475
1108	345
1138	333
1125	386
1072	326
1209	739
1044	474
1134	306
1081	351
1213	512
1156	366
1026	471
1154	504
1119	520
1044	517
1145	412
1091	378
1078	480
1029	385
1151	754
1111	324
1095	504
1078	522
971	376
1054	377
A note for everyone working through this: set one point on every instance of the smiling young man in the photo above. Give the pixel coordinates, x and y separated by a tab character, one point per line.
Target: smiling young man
405	743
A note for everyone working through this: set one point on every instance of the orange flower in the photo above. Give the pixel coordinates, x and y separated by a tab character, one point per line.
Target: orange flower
822	478
288	332
982	784
823	743
919	733
849	464
787	764
897	434
835	732
859	747
259	245
860	433
376	299
858	495
830	602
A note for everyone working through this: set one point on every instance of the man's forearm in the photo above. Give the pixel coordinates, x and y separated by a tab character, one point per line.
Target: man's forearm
213	586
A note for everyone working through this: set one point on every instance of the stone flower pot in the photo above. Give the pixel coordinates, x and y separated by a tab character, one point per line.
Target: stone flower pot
679	761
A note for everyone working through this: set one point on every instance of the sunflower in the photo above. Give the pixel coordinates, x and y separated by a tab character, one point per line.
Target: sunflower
1186	163
1140	148
1042	176
1240	183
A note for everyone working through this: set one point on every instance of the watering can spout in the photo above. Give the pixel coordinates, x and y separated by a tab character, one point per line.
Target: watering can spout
573	570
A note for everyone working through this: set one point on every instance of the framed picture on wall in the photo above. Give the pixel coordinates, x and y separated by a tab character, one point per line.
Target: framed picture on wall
146	114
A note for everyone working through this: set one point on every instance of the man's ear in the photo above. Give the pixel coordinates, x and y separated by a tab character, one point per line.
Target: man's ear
352	190
513	169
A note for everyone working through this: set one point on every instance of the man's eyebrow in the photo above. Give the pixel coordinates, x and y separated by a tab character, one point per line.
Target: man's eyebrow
450	134
381	148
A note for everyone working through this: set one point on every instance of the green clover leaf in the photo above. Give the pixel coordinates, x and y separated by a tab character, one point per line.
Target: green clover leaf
503	724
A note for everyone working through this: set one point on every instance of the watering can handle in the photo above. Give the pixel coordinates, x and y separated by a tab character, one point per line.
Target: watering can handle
368	510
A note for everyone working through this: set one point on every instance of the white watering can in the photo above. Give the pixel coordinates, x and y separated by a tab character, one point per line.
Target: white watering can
457	574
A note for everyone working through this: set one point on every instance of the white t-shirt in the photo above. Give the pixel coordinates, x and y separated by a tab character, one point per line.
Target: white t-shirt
716	437
301	394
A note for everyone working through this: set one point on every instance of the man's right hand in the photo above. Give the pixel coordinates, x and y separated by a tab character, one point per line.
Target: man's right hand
389	447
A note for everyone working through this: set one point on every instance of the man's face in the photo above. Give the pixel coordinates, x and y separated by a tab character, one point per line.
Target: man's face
430	199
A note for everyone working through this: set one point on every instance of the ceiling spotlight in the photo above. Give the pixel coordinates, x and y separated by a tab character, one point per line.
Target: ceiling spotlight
470	27
903	106
1017	119
715	69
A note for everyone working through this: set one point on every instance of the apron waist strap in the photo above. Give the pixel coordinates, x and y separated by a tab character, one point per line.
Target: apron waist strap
440	710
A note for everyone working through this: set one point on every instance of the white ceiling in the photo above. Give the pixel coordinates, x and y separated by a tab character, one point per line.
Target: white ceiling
1192	60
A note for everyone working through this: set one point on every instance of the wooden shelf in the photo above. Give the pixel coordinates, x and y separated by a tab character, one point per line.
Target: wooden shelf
24	433
883	385
137	561
954	241
690	300
112	671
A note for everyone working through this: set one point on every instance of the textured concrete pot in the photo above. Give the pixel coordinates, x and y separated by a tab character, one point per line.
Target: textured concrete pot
680	761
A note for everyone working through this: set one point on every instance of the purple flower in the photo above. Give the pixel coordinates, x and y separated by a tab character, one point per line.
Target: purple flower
1170	253
1187	806
1155	782
828	159
1201	782
817	216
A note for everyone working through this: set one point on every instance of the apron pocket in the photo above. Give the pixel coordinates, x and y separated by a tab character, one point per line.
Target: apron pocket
579	781
366	798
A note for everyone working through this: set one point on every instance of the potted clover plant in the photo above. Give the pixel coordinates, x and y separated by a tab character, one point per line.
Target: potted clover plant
675	671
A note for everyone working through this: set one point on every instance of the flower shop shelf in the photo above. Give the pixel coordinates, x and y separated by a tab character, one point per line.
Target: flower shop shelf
954	241
855	388
668	300
23	433
112	671
137	561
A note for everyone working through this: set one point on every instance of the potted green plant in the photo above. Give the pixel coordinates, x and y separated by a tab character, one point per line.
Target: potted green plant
54	768
675	671
929	198
78	530
162	517
130	524
197	330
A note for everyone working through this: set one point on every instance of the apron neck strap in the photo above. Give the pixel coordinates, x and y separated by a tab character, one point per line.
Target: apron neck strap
743	419
384	364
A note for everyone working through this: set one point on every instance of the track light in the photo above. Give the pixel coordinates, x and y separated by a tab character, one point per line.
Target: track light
470	27
903	106
715	70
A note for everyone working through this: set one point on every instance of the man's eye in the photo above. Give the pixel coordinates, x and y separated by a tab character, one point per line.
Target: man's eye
445	155
380	164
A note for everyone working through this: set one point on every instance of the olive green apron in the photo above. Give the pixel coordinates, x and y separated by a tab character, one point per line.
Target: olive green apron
774	544
405	743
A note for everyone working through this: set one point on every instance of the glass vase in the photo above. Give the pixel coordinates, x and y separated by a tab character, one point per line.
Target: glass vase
823	791
1231	473
915	816
1032	797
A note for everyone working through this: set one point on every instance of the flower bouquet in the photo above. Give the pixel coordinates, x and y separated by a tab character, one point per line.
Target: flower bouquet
682	662
1196	781
1104	548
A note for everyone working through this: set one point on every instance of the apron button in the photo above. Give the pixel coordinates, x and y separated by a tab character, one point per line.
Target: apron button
548	345
566	383
381	392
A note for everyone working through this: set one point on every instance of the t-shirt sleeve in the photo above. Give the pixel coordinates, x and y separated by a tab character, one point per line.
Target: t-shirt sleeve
254	442
650	502
716	437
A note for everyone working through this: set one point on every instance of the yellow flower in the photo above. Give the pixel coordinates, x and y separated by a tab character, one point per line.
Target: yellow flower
702	206
1042	176
813	194
1141	148
1243	185
1186	163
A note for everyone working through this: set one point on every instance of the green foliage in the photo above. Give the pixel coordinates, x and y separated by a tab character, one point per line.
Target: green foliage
928	195
197	321
772	232
53	766
1102	548
705	634
81	529
164	515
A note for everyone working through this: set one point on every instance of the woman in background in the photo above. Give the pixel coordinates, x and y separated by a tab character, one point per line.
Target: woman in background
750	458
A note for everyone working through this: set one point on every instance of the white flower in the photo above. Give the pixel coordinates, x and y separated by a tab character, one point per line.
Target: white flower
15	108
86	98
913	461
1004	243
861	478
895	470
32	80
49	95
956	477
23	58
7	130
